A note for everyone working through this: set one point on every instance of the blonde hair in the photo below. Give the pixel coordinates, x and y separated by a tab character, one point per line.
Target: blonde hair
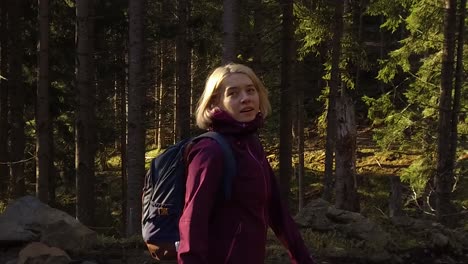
210	95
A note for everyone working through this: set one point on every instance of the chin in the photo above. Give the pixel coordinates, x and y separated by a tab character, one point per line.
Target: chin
247	119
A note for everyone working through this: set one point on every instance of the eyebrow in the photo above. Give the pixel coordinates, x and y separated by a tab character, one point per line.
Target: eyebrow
237	87
231	88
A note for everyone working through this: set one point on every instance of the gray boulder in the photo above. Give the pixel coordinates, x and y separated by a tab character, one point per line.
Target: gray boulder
373	241
314	216
320	215
28	219
39	253
357	226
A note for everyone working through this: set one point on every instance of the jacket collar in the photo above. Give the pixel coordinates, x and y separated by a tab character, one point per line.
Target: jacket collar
224	123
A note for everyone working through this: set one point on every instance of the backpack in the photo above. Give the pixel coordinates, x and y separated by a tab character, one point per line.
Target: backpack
164	194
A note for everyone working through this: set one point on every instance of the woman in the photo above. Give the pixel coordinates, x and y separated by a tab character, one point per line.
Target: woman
215	230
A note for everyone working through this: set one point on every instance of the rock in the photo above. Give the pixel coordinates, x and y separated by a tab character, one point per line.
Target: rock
402	221
67	237
39	253
313	215
343	217
440	237
320	215
30	210
357	226
381	257
336	252
13	231
370	239
439	240
10	254
28	219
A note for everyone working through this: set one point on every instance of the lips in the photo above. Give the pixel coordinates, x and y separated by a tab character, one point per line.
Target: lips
247	109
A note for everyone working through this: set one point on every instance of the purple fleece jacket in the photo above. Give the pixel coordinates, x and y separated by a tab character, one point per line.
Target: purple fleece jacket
214	230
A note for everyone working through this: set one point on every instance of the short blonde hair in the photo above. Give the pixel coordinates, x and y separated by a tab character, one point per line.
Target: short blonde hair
212	89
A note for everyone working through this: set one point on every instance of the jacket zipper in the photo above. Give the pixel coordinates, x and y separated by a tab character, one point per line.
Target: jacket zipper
233	242
264	181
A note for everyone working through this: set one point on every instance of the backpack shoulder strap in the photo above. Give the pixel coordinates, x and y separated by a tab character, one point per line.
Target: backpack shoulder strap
230	169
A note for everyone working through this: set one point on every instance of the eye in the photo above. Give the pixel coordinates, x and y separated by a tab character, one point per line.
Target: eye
231	92
251	90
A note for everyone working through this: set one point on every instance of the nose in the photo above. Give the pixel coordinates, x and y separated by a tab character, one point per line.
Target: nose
245	98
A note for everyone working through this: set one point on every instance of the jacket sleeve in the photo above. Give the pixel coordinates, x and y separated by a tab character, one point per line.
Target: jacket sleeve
204	174
285	228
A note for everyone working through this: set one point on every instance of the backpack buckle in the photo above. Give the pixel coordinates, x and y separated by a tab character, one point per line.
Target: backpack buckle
163	211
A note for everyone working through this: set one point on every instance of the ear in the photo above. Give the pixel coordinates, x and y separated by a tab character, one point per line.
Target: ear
214	101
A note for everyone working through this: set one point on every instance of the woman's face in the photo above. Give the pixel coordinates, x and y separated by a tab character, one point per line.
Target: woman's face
239	97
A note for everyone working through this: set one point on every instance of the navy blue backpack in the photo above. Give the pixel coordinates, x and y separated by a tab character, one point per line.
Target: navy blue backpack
164	194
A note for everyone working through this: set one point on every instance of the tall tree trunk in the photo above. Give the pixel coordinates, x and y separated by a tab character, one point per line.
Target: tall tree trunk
43	126
258	47
345	159
91	112
287	97
121	81
332	97
84	138
459	78
395	202
136	117
381	51
162	98
4	173
157	96
445	164
167	96
300	135
183	74
346	182
230	30
199	73
120	108
168	87
52	170
17	94
358	31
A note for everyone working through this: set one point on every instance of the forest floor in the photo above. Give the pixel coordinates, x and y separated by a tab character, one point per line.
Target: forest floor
374	168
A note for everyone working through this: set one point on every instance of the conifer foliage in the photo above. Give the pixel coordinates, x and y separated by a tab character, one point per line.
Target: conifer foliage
114	82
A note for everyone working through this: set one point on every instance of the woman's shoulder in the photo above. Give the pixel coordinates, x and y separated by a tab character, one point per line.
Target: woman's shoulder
206	148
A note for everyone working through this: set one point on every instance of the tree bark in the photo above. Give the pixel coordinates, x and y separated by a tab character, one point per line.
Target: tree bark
157	98
332	97
287	97
16	94
4	127
136	117
84	138
183	73
346	182
445	164
258	48
167	96
300	136
121	81
459	79
230	30
395	202
43	124
199	74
